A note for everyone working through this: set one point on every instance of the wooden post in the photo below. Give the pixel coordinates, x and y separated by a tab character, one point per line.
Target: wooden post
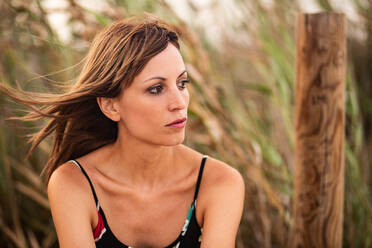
319	131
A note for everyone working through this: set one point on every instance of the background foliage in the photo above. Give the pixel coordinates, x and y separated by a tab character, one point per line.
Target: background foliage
241	110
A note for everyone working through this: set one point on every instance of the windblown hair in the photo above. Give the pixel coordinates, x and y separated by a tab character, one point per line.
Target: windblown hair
117	54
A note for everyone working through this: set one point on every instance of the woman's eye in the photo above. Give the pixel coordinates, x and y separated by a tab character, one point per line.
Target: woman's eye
155	90
182	84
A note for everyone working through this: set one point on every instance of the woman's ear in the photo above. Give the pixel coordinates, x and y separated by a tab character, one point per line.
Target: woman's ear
109	107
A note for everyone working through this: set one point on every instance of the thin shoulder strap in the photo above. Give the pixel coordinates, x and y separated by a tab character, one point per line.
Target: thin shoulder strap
199	177
86	175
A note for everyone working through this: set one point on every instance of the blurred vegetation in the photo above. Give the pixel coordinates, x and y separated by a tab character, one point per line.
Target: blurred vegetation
241	110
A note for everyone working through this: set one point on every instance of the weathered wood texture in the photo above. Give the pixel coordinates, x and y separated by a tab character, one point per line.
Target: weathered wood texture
319	131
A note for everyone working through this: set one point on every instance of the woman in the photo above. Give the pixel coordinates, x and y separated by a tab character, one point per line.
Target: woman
118	174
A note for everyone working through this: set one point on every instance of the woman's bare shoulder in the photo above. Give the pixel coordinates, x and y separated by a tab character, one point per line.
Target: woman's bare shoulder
216	172
221	174
69	189
222	202
222	188
72	206
69	181
66	175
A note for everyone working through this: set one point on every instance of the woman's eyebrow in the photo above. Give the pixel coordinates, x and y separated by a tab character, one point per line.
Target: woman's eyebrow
163	78
181	73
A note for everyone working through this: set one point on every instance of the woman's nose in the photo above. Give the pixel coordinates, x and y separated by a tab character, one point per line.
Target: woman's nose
178	99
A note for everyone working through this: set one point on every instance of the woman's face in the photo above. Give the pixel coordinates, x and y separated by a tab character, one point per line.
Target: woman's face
157	96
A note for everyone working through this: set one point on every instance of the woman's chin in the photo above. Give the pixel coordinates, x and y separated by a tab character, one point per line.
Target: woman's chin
174	140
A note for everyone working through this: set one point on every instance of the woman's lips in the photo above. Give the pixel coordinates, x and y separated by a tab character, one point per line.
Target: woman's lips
178	124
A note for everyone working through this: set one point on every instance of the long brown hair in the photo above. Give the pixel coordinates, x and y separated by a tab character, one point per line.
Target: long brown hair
117	54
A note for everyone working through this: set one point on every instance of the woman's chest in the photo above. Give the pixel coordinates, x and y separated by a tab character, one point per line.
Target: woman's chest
146	221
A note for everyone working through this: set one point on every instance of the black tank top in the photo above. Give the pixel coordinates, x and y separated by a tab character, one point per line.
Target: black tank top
189	237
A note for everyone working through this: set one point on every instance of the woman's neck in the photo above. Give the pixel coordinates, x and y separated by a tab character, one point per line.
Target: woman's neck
143	166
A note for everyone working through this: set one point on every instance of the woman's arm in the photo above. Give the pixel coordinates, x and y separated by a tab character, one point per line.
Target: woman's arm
70	201
224	200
